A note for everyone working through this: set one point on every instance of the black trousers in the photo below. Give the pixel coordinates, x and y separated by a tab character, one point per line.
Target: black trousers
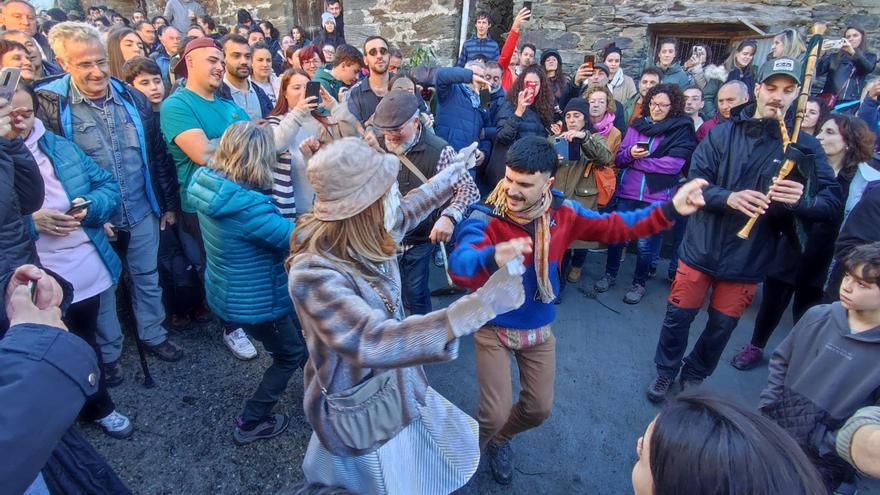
81	319
776	297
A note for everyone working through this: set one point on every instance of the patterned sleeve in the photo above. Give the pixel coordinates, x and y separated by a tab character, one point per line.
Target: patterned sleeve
465	189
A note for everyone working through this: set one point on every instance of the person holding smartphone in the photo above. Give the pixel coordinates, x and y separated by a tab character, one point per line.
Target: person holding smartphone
845	69
72	242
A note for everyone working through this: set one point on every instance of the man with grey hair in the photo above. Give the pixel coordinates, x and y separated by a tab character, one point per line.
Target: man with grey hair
731	94
422	155
115	125
21	15
461	119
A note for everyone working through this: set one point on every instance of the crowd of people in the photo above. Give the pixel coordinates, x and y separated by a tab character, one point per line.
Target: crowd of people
297	189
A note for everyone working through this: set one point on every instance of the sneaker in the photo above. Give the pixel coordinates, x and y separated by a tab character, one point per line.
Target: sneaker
574	275
748	357
166	351
500	461
657	391
604	283
112	374
238	342
267	428
687	384
635	294
116	425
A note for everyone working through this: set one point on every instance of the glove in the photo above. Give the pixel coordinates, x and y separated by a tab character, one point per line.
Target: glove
466	156
503	292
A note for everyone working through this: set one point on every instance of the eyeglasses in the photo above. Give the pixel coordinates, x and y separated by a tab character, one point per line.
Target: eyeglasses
311	62
374	51
101	64
654	104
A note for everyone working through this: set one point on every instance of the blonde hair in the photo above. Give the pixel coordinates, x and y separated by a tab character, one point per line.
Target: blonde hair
611	106
246	155
363	235
794	45
66	32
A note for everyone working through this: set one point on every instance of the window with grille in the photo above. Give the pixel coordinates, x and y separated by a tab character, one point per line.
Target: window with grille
720	39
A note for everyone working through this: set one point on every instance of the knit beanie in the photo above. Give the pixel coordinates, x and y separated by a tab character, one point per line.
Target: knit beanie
577	105
327	17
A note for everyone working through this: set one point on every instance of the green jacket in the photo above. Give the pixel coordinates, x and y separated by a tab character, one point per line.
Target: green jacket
330	83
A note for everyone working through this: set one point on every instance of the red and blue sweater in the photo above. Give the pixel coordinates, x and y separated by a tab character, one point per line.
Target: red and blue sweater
473	260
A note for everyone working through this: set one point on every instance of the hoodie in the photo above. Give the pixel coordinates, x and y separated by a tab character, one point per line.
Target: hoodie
675	74
246	242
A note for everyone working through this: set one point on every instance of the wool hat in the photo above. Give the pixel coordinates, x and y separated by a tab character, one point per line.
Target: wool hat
604	68
179	69
327	17
551	52
784	65
348	176
577	105
395	109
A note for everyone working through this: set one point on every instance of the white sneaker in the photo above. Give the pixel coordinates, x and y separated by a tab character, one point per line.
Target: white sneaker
116	425
241	347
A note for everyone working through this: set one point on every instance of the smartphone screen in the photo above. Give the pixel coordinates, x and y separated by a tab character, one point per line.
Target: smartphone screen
9	81
590	60
645	145
313	88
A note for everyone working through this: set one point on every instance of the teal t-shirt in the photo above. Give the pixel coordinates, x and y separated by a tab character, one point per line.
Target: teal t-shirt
185	110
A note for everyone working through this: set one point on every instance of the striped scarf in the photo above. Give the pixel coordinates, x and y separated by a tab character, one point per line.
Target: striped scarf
540	214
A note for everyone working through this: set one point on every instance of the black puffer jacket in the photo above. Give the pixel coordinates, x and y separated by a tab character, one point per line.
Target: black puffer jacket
840	67
54	98
745	153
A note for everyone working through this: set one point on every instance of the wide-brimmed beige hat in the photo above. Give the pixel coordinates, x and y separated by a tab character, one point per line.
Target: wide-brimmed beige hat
348	176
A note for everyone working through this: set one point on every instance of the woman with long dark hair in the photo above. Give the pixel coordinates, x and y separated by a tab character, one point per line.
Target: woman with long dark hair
814	116
846	69
527	111
560	85
123	44
653	154
704	444
848	144
739	64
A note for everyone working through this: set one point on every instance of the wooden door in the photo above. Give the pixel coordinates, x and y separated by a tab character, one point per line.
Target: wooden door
307	13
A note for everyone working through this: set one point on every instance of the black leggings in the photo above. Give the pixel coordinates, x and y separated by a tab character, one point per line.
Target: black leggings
81	319
776	296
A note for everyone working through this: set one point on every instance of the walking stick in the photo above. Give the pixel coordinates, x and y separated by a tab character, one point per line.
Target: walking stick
121	246
788	165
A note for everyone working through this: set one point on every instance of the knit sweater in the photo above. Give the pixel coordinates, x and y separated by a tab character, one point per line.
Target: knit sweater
473	260
350	333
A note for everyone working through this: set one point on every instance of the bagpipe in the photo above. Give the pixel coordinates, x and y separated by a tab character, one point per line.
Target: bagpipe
814	48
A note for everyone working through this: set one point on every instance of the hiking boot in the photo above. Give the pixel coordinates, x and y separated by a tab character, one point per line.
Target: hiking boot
238	342
604	283
166	351
500	461
658	389
635	294
112	373
250	431
116	425
574	275
748	357
689	383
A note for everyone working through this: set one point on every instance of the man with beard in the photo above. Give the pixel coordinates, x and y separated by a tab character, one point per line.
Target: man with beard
739	158
191	117
365	95
237	85
524	209
422	155
730	95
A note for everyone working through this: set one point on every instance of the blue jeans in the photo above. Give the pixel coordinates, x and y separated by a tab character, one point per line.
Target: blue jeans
415	264
649	247
139	259
283	340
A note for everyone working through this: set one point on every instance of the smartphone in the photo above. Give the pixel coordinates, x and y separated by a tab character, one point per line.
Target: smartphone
485	98
568	150
531	85
32	290
527	6
590	60
78	207
832	44
313	88
645	145
9	77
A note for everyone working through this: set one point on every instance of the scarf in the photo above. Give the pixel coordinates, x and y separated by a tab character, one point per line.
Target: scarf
617	80
540	214
604	126
678	140
474	97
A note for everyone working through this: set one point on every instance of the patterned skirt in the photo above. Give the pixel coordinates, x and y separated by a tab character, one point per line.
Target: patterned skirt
436	454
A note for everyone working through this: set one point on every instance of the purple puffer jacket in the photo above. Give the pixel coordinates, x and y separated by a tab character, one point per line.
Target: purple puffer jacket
632	181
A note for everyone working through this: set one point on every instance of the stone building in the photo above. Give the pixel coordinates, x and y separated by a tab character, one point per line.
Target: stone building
574	27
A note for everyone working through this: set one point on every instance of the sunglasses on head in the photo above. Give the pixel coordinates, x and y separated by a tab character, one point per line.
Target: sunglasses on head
374	51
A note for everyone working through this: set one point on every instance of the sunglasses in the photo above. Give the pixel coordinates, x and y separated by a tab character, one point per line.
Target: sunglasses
374	51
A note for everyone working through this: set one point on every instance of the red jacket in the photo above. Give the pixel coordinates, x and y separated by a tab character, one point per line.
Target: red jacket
507	76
